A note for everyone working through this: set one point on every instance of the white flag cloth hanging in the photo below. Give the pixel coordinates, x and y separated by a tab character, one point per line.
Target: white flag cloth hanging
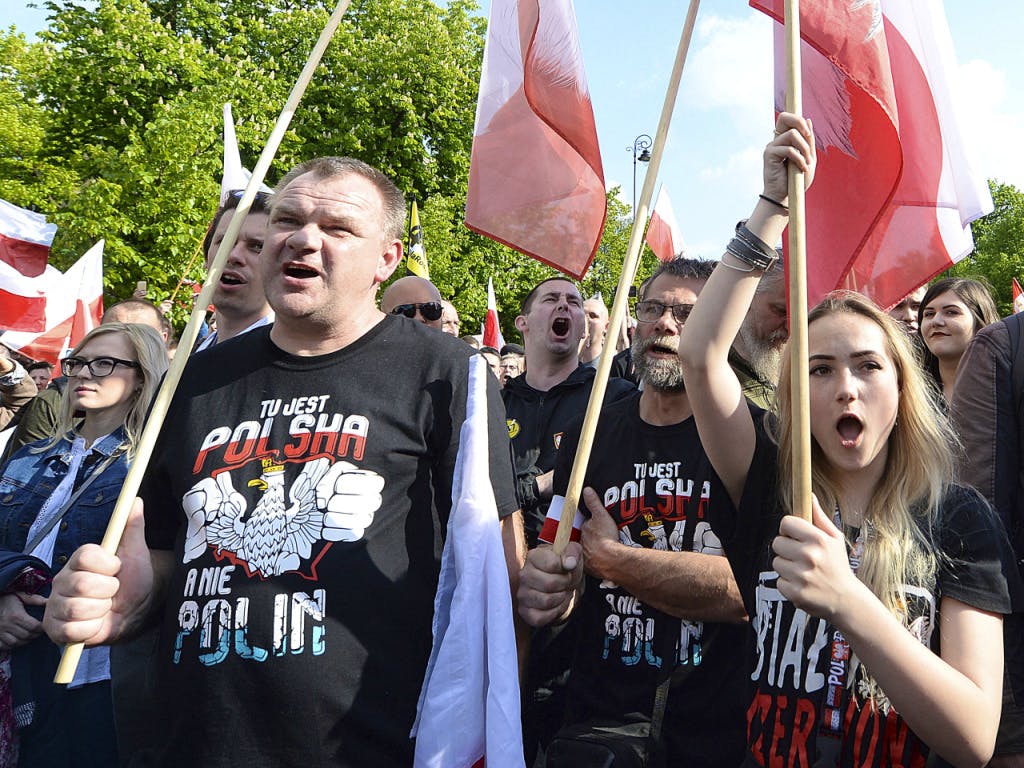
468	710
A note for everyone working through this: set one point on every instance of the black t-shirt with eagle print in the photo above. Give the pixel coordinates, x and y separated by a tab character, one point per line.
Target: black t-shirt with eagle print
305	500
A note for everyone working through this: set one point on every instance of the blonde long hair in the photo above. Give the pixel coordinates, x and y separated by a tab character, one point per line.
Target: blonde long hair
899	548
151	354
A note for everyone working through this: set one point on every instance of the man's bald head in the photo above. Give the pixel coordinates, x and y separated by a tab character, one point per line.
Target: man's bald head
137	311
413	290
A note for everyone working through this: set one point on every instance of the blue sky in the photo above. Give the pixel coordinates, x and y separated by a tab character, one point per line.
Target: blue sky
724	113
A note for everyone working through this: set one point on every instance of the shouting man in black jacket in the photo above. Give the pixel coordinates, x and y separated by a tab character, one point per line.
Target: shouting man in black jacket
554	390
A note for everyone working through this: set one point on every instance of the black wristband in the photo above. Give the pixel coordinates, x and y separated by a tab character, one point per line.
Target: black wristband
775	202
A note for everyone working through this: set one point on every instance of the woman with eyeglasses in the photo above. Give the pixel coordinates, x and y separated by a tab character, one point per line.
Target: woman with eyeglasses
55	495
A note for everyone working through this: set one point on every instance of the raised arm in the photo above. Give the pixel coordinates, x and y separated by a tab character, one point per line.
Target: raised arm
723	419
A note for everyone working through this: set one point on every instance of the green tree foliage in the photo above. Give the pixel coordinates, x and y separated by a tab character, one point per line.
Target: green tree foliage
998	255
111	125
112	121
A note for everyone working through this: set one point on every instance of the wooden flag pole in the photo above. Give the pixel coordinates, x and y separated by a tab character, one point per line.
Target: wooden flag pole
621	303
799	374
144	450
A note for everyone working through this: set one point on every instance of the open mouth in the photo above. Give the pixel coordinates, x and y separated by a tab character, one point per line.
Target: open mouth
229	279
663	346
850	429
560	327
299	271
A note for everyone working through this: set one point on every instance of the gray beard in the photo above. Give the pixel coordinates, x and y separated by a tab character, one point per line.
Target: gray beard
765	359
663	375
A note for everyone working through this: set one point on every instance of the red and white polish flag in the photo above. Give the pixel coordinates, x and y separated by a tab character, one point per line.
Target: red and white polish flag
73	305
536	182
664	236
894	191
492	329
554	515
25	239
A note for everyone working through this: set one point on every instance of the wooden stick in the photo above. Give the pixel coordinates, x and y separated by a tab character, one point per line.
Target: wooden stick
799	374
629	267
144	450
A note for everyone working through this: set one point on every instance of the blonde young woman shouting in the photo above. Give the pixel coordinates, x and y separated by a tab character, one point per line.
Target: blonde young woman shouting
877	624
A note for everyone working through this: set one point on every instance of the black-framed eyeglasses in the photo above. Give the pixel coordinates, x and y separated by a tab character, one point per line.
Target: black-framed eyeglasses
652	311
98	366
262	198
430	310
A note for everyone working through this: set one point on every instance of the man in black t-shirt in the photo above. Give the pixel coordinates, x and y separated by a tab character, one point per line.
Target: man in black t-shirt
296	505
659	605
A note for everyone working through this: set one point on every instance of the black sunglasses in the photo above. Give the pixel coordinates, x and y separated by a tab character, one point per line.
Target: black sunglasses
98	367
431	310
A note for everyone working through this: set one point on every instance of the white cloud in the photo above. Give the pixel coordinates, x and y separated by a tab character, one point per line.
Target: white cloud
731	68
739	167
993	122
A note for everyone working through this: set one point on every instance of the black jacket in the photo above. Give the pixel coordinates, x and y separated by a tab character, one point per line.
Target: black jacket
536	422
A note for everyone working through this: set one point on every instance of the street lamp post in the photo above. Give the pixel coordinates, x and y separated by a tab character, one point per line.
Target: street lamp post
641	150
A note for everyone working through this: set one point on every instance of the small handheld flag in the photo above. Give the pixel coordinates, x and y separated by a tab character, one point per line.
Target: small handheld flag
416	261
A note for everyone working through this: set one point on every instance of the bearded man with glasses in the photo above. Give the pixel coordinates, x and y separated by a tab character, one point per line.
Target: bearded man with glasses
659	618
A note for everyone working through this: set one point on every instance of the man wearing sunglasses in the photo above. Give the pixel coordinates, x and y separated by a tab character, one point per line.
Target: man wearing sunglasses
296	505
413	297
660	606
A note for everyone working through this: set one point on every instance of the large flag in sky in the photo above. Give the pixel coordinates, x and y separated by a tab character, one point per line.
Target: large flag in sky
663	233
468	711
492	328
416	260
25	239
73	305
894	192
535	178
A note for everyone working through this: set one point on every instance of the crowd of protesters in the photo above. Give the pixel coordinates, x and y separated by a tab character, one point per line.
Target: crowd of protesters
272	599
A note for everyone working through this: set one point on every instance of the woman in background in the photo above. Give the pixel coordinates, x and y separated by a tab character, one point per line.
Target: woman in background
952	311
55	495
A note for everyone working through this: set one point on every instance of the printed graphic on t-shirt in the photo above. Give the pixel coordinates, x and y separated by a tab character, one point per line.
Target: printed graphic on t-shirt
277	526
813	692
672	521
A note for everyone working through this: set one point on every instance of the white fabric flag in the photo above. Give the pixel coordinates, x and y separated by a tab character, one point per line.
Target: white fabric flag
469	705
236	176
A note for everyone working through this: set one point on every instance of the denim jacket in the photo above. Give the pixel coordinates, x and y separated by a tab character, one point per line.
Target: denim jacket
29	478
